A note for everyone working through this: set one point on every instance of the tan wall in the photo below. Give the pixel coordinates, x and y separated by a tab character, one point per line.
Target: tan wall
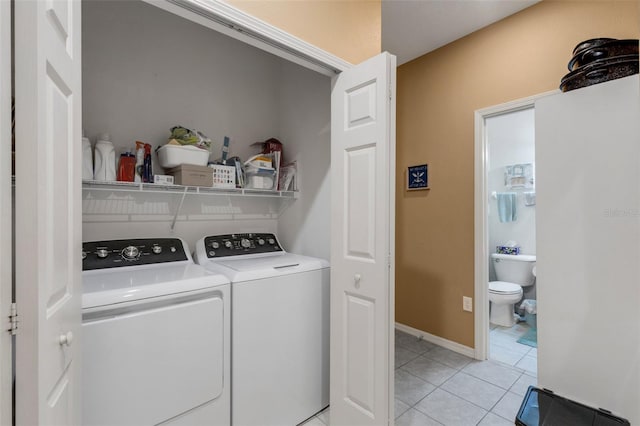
523	55
349	29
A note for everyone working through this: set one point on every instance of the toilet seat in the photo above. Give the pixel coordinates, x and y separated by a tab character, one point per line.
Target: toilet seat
503	287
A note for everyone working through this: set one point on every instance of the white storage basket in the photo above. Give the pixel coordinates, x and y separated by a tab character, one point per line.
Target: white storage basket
170	156
223	176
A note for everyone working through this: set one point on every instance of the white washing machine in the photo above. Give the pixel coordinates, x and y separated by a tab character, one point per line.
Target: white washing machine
156	336
279	328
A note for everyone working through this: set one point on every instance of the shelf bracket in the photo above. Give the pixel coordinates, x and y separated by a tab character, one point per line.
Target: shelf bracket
175	216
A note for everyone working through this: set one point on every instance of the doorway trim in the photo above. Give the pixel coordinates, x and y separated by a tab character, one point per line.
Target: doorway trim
6	253
481	219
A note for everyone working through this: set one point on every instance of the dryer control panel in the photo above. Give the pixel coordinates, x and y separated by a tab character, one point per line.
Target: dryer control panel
139	251
239	244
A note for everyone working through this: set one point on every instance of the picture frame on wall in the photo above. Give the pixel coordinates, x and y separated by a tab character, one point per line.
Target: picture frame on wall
418	177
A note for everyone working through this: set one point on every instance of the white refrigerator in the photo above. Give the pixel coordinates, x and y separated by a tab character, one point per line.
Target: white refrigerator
588	245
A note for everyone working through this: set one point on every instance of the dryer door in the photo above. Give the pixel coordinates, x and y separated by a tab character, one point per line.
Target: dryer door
146	366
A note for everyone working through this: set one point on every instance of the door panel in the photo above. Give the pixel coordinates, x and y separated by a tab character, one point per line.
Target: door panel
360	325
58	13
48	213
361	106
363	170
57	115
359	194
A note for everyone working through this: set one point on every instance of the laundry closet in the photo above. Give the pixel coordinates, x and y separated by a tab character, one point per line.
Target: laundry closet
135	69
145	70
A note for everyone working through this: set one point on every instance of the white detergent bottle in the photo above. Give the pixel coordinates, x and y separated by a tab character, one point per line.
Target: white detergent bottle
87	158
105	167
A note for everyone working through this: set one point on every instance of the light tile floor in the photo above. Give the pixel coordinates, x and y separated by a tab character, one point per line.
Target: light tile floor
504	347
436	386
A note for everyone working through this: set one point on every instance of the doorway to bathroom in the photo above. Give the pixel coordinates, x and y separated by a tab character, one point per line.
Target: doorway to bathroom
505	229
512	238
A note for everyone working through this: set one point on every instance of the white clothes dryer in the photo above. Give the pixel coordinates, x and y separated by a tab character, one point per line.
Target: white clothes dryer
156	336
279	328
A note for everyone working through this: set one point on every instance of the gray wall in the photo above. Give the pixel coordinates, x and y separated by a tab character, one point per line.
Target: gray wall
307	121
145	70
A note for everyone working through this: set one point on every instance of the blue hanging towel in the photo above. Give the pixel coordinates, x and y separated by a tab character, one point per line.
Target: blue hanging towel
507	206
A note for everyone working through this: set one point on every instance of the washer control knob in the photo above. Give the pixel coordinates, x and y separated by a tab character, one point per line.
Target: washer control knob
272	241
84	255
102	253
212	253
130	253
215	245
172	249
156	249
260	241
228	244
245	243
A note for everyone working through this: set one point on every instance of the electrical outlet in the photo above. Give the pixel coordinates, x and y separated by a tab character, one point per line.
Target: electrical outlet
467	304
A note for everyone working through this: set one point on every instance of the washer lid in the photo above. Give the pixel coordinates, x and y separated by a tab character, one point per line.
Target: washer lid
504	287
109	286
254	267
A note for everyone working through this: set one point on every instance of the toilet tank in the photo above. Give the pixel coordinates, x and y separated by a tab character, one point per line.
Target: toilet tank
515	269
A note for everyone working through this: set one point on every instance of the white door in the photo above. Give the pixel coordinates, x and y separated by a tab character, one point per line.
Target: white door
5	210
362	243
48	211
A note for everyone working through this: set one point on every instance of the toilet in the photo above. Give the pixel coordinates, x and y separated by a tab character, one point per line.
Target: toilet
513	273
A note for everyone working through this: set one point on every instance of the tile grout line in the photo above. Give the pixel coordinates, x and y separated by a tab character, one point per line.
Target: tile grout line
523	357
515	369
460	370
452	394
520	371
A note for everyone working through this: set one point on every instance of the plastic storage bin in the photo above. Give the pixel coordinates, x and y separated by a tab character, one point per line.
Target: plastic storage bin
542	407
171	156
530	312
260	178
531	320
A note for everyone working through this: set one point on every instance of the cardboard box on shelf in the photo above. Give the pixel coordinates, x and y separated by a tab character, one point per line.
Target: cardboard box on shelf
192	175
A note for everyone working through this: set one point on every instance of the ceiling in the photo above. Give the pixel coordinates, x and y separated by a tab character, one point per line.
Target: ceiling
411	28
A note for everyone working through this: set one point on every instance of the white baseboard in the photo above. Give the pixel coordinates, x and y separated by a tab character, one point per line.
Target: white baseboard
448	344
